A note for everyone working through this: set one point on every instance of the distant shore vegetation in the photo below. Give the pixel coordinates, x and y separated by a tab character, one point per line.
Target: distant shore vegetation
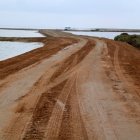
133	40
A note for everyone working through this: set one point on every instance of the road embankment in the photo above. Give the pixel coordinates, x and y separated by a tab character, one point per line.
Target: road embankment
51	46
75	88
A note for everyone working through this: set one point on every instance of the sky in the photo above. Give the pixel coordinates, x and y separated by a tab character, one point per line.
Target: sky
70	13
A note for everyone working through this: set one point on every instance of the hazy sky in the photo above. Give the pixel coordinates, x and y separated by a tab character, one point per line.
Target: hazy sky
74	13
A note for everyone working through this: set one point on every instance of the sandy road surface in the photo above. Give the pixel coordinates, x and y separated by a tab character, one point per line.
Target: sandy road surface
81	92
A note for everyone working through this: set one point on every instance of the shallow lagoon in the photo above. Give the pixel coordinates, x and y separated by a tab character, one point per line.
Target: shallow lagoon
10	49
20	33
109	35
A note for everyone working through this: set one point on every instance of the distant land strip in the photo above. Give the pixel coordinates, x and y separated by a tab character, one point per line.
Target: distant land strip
80	29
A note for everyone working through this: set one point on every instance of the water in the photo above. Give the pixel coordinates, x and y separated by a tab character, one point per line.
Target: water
11	49
109	35
19	33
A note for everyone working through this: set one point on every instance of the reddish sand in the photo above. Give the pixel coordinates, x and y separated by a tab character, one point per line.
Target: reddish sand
74	88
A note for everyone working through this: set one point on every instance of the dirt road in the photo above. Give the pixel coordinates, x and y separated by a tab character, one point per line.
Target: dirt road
82	91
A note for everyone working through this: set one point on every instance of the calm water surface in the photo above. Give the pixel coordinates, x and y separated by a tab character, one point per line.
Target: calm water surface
20	33
109	35
11	49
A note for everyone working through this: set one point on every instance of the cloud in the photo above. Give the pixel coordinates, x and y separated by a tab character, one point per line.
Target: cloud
105	13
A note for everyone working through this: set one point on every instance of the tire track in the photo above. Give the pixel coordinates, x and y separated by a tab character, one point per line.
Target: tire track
52	46
129	86
24	81
73	60
24	109
91	90
39	134
54	124
42	113
72	127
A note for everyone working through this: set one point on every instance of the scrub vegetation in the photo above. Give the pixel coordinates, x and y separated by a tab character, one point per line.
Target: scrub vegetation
133	40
